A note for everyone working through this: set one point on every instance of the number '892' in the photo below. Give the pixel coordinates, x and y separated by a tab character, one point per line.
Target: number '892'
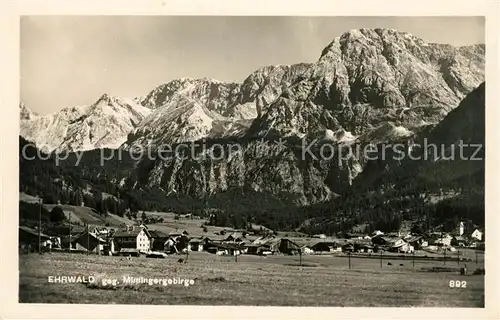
458	284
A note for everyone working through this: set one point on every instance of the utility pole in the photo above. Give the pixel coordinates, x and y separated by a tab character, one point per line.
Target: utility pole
349	254
88	239
70	231
380	258
40	226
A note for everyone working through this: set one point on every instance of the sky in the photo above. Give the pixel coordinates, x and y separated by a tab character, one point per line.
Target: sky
72	60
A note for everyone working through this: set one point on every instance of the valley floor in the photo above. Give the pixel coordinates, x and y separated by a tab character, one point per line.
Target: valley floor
251	280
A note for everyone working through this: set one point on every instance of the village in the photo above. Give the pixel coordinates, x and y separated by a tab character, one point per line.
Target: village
158	240
265	264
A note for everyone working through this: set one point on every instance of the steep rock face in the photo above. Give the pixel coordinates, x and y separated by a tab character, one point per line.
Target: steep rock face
263	87
273	167
437	159
465	123
181	119
212	94
368	77
191	109
104	124
434	184
369	86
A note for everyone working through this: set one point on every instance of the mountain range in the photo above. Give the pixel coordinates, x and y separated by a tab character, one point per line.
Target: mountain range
363	79
104	124
369	86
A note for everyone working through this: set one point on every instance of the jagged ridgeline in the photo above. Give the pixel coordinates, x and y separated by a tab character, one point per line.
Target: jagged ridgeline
368	86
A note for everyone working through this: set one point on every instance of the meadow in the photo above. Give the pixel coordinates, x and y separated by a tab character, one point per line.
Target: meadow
322	280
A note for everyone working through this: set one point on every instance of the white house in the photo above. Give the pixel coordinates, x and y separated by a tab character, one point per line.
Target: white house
406	248
477	234
135	237
440	239
398	243
306	250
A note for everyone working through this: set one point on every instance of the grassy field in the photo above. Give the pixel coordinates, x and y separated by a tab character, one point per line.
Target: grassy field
251	280
84	215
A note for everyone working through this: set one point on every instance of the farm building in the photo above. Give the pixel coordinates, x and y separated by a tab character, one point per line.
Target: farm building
177	244
353	235
324	246
29	237
212	239
158	240
135	237
129	252
257	249
459	241
363	247
396	244
88	241
234	237
417	242
197	244
440	239
224	249
306	249
405	248
348	247
170	245
384	240
273	244
102	232
284	245
262	240
178	233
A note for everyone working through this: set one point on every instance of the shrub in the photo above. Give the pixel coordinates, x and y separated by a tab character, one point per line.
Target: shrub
57	215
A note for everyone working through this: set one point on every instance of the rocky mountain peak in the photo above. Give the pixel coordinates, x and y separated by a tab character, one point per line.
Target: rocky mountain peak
367	77
26	113
211	92
104	97
104	124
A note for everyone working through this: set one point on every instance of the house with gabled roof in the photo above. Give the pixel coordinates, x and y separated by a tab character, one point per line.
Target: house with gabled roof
88	241
440	239
134	237
234	237
477	235
158	239
459	241
29	237
197	243
275	244
326	246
